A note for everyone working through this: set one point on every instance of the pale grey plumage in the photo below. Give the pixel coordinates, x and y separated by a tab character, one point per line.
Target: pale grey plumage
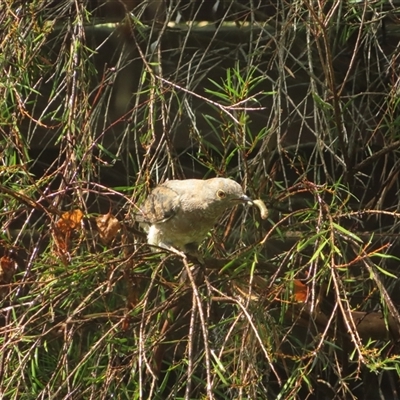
180	213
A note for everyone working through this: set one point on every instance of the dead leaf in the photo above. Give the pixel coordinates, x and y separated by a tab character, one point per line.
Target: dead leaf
69	221
300	291
108	227
7	269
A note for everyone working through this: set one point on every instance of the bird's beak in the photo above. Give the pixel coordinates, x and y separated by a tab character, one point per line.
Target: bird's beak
246	199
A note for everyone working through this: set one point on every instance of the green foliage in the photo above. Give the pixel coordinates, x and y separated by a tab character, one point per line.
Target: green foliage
299	104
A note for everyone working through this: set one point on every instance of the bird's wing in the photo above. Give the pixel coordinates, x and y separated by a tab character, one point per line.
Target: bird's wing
161	204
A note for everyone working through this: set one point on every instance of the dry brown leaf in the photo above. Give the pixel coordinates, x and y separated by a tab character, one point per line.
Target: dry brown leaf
69	221
108	227
7	269
300	291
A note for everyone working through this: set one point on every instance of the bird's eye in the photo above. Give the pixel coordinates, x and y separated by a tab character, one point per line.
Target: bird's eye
221	194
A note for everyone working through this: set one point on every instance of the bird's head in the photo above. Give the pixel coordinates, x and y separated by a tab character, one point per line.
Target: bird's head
226	192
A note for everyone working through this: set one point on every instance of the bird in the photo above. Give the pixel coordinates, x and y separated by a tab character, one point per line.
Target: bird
180	213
